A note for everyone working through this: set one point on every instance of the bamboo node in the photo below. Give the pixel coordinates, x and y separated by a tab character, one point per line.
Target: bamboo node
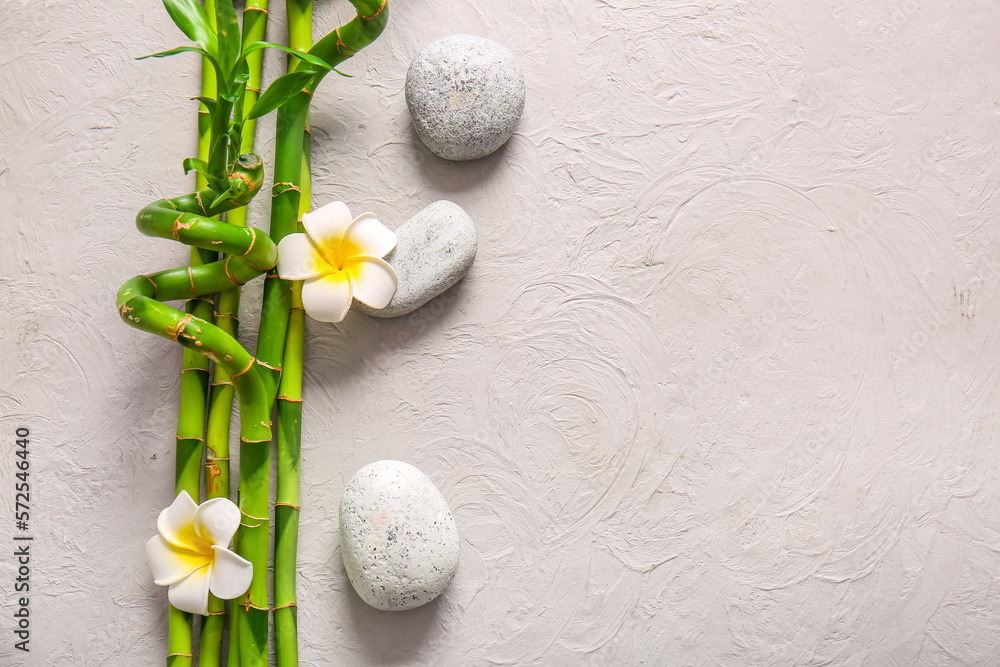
268	366
217	613
289	399
247	606
341	45
179	655
253	90
253	239
369	18
286	606
256	9
225	269
191	281
295	507
251	516
249	364
289	188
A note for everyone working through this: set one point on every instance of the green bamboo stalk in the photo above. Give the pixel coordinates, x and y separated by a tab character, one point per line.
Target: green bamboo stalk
228	303
289	403
213	626
293	134
195	379
335	48
187	219
234	634
179	637
289	438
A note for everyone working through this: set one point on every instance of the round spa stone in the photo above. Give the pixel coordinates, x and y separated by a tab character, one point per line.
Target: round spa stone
397	536
434	249
465	96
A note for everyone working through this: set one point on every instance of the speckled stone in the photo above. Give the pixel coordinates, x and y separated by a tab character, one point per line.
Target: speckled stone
397	536
434	249
465	96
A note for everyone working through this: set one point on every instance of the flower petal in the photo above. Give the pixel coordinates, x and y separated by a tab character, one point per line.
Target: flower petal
373	281
191	593
170	563
231	575
175	522
299	258
327	298
327	224
368	237
216	521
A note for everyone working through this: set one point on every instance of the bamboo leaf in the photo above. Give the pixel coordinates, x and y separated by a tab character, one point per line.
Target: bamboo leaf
221	198
201	167
174	52
280	91
192	19
234	138
306	57
241	79
228	27
196	164
209	103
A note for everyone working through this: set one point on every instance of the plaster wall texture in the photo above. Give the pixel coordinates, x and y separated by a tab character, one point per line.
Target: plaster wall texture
720	388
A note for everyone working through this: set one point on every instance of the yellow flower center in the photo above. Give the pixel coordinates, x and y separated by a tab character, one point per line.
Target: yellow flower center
190	539
342	253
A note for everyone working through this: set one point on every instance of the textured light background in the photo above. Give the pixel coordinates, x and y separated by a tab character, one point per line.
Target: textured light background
721	387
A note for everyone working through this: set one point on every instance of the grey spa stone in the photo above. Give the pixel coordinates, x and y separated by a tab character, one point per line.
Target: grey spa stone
397	536
434	249
465	96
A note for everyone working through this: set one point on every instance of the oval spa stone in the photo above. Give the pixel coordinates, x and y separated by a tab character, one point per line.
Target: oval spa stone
397	536
465	95
434	249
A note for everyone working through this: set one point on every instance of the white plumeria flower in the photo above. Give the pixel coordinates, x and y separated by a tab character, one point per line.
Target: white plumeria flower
190	554
340	259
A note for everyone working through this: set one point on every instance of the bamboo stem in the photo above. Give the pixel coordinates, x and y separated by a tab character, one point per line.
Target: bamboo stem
195	379
140	305
227	312
284	300
289	402
335	48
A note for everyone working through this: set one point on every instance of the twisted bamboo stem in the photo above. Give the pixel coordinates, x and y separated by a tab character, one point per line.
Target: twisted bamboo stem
140	304
227	319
